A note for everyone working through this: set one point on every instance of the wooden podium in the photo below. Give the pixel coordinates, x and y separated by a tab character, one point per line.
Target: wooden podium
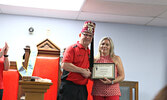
34	90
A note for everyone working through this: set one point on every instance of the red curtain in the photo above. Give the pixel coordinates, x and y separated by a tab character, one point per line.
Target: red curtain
47	67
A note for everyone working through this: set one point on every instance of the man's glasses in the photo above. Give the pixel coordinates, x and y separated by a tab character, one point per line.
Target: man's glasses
87	35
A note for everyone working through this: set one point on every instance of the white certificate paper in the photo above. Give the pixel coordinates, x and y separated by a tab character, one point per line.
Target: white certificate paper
103	70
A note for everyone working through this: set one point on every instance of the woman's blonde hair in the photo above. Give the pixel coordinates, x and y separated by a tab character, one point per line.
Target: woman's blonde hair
111	53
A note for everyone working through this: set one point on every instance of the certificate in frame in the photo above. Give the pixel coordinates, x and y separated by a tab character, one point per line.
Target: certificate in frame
103	70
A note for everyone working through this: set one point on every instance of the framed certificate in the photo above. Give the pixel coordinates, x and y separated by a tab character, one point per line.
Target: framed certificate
103	70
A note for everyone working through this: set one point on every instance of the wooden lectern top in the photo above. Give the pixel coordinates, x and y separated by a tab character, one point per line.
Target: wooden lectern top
34	83
34	90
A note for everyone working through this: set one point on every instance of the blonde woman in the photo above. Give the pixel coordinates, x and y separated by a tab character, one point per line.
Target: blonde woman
106	89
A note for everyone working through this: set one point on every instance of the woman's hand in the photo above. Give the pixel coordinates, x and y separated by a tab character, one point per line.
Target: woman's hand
106	81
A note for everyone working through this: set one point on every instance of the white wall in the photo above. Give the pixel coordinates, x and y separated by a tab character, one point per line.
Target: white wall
142	48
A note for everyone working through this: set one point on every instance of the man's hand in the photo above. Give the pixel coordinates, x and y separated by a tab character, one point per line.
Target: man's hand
86	73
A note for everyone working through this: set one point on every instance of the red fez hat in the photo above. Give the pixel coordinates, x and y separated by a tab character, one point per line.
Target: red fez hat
88	27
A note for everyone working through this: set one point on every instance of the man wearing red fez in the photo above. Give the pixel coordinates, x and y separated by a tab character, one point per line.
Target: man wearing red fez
75	66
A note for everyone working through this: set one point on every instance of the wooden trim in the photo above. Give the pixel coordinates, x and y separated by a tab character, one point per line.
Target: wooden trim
48	53
27	55
13	65
48	48
132	85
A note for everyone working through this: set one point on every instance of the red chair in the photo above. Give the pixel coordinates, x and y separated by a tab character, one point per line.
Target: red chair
11	83
47	67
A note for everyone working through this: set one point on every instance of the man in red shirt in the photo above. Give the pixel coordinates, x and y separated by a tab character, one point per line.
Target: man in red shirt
75	66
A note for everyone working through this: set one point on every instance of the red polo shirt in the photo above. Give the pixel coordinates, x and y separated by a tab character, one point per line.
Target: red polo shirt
77	55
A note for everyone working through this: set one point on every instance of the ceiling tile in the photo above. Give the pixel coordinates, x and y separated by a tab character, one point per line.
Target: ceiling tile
163	15
114	18
123	8
158	2
159	22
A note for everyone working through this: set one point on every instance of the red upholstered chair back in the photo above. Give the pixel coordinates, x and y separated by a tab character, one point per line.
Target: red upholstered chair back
47	67
11	83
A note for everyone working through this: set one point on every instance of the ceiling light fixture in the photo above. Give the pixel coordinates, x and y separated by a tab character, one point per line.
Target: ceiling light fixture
72	5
